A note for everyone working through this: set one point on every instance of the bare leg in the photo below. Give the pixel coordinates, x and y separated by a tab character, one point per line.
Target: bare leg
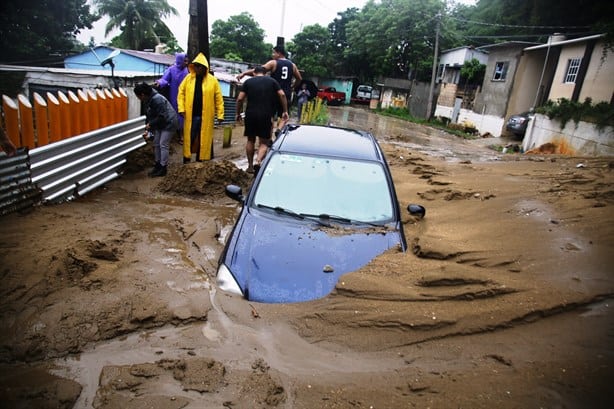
262	149
249	152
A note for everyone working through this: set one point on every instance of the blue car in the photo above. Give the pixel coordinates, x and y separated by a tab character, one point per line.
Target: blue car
322	205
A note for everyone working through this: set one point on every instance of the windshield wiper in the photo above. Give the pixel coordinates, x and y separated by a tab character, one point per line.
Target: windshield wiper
281	210
327	218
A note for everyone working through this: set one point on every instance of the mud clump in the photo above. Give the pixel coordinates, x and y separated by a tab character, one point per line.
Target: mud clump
204	178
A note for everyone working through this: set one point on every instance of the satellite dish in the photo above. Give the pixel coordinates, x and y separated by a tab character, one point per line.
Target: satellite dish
109	59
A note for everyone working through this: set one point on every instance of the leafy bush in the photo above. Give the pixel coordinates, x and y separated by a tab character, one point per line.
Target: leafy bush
564	110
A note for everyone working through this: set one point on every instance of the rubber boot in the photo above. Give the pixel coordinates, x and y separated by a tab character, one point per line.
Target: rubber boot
160	172
154	169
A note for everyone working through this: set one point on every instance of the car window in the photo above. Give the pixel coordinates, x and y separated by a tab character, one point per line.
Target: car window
355	190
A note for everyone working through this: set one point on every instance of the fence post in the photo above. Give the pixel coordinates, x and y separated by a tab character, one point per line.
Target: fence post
117	105
26	120
11	119
109	105
42	120
93	110
55	118
65	114
102	109
124	104
76	113
85	111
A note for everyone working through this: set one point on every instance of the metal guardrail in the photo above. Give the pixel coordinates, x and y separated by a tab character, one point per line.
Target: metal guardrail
69	168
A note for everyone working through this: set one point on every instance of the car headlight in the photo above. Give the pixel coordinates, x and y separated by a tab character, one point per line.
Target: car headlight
226	281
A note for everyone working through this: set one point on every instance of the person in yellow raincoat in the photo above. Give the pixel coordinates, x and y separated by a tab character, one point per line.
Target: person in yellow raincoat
199	101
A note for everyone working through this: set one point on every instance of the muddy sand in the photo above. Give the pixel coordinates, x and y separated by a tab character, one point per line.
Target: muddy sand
504	299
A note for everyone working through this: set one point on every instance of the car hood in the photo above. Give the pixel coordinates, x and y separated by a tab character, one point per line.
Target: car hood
276	260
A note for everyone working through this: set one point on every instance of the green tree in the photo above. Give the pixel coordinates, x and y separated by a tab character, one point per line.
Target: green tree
310	50
340	60
239	35
33	31
473	72
140	21
491	21
394	38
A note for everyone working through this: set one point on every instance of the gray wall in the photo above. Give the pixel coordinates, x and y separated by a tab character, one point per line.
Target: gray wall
495	95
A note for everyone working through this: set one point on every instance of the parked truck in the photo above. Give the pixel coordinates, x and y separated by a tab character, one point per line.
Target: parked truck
331	96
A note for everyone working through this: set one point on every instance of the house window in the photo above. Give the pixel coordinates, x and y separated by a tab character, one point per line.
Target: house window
500	71
573	66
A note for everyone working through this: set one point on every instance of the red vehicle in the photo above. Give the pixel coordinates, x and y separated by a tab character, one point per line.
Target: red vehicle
331	96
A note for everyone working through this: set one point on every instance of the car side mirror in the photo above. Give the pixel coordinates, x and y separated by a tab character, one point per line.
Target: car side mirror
235	192
416	210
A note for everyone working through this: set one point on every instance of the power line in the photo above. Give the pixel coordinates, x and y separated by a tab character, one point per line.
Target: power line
514	26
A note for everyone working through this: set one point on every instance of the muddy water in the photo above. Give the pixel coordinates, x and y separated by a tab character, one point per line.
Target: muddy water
425	140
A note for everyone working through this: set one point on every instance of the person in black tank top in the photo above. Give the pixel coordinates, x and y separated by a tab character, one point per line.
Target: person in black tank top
285	73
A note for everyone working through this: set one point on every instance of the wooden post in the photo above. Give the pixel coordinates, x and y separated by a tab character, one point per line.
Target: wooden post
76	113
26	120
11	120
109	107
55	118
94	109
102	111
42	120
86	111
65	114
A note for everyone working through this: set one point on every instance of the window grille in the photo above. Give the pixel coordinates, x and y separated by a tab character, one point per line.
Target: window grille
573	66
500	71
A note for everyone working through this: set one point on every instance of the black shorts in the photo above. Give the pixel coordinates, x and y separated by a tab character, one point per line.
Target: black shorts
260	126
279	110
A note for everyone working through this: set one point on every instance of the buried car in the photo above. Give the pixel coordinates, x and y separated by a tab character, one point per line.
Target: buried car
322	204
517	124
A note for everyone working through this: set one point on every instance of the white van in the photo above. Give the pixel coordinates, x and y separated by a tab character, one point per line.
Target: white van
363	92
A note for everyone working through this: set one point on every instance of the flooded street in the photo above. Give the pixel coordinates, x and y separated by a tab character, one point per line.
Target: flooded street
503	300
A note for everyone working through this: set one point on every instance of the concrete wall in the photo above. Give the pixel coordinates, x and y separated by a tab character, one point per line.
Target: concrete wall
560	89
582	139
493	99
526	84
491	124
599	80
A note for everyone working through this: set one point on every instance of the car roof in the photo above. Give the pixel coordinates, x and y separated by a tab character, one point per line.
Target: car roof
329	141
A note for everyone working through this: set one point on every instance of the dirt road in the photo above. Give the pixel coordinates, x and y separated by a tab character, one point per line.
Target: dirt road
505	299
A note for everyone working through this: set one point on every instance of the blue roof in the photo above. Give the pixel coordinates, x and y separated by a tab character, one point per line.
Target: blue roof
329	141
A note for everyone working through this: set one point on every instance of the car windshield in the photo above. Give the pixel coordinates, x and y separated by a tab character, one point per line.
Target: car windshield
311	185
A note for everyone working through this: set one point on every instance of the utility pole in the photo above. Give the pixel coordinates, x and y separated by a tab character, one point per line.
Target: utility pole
198	35
429	105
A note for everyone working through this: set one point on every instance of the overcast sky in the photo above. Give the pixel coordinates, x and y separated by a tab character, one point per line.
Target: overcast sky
267	13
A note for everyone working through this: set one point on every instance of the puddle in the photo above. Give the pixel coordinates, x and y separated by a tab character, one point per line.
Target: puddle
429	141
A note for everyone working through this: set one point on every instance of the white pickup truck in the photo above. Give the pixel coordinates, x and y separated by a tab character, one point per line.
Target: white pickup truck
363	92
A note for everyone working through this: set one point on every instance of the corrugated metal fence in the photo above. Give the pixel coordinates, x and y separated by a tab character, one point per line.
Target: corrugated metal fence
84	145
67	169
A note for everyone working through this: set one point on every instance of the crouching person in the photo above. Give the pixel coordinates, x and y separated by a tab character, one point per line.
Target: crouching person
161	121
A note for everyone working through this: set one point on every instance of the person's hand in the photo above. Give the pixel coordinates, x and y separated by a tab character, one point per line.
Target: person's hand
239	117
8	147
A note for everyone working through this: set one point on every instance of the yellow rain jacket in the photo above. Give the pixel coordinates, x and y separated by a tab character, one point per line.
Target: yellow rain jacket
213	104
